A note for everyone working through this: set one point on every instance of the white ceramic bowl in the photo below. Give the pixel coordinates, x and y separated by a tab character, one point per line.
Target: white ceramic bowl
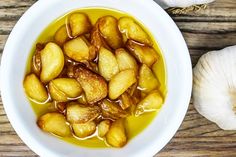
148	142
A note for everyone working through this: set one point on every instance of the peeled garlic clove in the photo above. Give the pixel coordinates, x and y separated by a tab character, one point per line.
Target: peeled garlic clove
214	87
112	110
116	136
77	113
121	82
151	102
125	60
79	24
54	123
85	129
133	31
94	85
77	49
109	30
147	80
63	88
61	35
52	59
107	64
103	127
35	89
144	54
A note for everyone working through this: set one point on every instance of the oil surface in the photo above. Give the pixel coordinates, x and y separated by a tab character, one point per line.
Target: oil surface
134	125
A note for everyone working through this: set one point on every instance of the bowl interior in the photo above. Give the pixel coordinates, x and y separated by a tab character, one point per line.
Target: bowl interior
175	53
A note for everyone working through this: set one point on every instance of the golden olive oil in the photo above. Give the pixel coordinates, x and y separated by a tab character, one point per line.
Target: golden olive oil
134	125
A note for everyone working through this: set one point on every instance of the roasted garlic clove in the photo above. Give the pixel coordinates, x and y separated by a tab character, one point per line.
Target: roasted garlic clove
144	54
121	82
54	123
147	80
35	89
125	60
133	31
78	113
52	59
85	129
94	86
103	127
79	24
116	135
109	30
107	64
63	88
151	102
77	49
61	35
112	110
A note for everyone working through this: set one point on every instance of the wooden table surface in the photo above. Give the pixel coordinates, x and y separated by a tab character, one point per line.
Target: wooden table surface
210	29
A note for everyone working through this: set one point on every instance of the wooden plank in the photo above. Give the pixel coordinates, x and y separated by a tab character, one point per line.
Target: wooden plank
207	27
10	14
6	27
220	10
16	3
209	41
3	39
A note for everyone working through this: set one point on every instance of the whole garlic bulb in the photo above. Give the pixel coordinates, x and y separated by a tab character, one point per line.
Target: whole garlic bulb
180	3
214	87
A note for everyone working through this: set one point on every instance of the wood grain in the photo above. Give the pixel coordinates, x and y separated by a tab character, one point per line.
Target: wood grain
205	30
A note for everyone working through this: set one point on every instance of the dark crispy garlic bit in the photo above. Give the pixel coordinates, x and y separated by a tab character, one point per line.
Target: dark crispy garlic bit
103	127
35	89
94	86
54	123
109	29
111	110
85	129
79	24
144	54
61	35
96	38
126	101
116	136
147	80
78	113
52	59
121	82
60	106
151	102
133	31
107	64
36	60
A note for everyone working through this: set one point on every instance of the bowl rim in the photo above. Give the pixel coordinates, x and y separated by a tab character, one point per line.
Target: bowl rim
41	150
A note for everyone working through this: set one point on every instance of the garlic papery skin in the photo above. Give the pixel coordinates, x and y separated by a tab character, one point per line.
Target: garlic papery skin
214	87
181	3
